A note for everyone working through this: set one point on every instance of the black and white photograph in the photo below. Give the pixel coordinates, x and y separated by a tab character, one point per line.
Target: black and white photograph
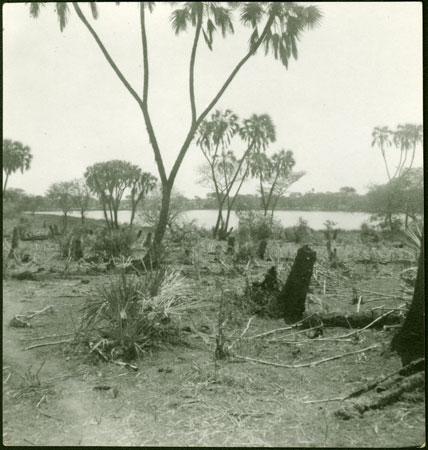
213	224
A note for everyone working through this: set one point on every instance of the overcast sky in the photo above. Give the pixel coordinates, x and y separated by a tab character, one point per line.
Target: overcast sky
362	67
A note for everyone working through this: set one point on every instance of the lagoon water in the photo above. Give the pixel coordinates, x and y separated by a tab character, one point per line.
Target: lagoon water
207	217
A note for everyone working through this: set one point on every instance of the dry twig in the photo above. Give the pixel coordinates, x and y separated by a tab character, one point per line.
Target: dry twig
309	364
44	344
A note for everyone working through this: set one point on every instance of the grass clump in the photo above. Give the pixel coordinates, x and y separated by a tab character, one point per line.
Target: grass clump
133	314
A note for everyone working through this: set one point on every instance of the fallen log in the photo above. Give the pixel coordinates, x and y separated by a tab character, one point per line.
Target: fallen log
35	237
382	397
354	320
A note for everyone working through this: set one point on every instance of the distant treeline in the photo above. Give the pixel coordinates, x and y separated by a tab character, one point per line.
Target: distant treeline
346	199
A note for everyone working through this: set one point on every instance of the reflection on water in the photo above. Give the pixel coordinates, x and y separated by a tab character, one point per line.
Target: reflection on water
207	217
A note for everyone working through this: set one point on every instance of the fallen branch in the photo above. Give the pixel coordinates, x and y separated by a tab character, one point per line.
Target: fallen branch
289	327
381	294
357	407
46	337
7	379
418	365
309	364
325	400
248	326
44	344
36	313
40	401
281	339
361	320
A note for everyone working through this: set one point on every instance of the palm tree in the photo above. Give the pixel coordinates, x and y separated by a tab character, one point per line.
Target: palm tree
403	139
213	137
415	133
277	26
142	183
382	137
16	156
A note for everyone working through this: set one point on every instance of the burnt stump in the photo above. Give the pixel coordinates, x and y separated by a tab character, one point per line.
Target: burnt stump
292	297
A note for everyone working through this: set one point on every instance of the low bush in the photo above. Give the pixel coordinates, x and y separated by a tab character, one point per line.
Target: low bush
253	232
133	314
302	232
109	243
71	244
369	234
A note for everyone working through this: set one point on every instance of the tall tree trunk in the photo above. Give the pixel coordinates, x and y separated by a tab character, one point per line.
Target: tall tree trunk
154	255
134	207
386	164
409	342
217	224
5	183
413	155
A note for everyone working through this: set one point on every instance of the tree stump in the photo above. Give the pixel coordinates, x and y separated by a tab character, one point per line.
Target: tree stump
291	299
261	250
410	339
77	250
230	245
148	241
15	242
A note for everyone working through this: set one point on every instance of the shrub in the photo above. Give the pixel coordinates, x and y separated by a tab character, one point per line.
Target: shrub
113	243
71	244
368	233
133	314
302	231
254	228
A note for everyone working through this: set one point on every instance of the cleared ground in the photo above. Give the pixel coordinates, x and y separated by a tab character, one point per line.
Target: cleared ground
179	395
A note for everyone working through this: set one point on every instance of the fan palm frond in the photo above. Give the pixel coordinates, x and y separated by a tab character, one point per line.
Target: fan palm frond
63	12
94	10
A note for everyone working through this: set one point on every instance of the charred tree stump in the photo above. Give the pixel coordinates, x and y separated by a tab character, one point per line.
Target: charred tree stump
231	245
224	234
410	339
77	250
262	295
15	242
291	300
148	241
261	250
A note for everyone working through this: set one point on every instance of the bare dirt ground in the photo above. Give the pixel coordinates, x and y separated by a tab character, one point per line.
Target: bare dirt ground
179	396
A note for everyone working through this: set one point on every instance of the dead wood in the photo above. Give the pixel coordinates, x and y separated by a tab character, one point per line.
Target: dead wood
355	320
15	242
45	344
308	364
410	369
26	275
35	237
383	397
291	299
409	342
